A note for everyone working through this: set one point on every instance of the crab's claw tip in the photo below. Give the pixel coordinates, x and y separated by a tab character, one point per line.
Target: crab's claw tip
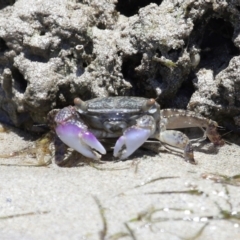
80	139
131	140
89	139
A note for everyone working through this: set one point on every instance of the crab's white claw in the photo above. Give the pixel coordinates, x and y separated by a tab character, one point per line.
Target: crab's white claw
131	140
80	139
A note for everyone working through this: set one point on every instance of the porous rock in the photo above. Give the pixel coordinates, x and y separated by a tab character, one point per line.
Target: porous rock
184	53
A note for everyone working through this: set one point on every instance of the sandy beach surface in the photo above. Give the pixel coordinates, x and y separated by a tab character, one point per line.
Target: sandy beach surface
148	197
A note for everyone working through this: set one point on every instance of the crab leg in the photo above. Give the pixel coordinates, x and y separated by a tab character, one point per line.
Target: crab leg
175	139
75	134
134	136
177	118
179	140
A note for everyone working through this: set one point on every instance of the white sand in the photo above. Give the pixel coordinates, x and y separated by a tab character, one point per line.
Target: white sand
58	203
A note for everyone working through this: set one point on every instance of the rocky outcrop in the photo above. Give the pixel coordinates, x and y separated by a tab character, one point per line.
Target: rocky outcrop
184	53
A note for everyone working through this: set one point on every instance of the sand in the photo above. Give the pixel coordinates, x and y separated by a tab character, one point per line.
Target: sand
150	196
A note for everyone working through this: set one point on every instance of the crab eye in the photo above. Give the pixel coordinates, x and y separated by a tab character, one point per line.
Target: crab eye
150	102
150	106
80	105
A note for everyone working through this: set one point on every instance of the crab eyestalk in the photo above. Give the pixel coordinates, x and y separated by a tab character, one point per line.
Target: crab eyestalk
148	104
80	105
151	107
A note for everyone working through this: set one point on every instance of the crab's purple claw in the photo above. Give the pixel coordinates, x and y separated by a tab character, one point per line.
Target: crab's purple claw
80	139
131	140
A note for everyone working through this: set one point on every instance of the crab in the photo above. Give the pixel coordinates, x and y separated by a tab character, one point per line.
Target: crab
130	120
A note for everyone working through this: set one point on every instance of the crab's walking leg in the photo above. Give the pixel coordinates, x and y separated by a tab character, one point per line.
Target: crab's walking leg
176	139
74	133
179	140
177	118
134	136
